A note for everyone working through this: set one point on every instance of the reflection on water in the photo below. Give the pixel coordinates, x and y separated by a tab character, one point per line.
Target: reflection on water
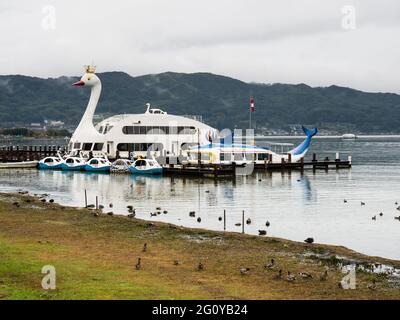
297	205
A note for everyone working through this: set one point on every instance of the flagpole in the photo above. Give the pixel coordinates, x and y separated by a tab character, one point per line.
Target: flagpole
250	118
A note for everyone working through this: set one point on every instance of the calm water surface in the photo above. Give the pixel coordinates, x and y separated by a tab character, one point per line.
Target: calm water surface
297	205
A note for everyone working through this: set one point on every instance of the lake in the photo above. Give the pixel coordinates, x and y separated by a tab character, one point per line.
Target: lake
296	205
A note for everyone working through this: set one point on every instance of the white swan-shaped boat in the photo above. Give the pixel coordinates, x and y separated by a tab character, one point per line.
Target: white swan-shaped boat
98	165
73	163
50	163
145	166
121	166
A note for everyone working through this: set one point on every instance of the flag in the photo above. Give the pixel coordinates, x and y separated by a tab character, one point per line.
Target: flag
252	105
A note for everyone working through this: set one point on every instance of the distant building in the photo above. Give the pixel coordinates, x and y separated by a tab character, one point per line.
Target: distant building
56	123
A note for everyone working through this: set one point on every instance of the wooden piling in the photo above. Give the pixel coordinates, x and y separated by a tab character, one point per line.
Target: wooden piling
97	202
224	220
243	221
85	199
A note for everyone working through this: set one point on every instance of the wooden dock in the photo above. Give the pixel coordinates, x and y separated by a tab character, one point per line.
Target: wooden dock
231	169
35	153
27	153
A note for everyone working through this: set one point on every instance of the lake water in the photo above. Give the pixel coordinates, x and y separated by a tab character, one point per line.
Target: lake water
296	205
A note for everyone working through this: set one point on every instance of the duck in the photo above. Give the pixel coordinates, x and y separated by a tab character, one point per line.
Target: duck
362	203
270	265
238	224
144	247
192	213
305	275
138	264
398	208
100	206
158	208
51	200
324	276
153	214
198	219
200	267
397	218
267	224
219	218
130	207
309	240
372	285
244	271
374	217
278	276
345	201
381	214
290	277
165	211
110	205
248	221
262	232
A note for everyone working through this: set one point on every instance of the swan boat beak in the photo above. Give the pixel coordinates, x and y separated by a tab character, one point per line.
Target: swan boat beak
79	83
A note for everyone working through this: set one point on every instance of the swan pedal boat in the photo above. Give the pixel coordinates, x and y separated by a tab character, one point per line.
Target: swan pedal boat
73	163
145	166
50	163
98	165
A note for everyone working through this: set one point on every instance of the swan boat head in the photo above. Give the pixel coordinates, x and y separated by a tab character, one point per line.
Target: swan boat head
89	79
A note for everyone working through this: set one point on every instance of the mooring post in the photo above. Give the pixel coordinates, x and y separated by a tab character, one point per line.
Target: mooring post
289	157
314	157
224	220
85	199
243	221
97	202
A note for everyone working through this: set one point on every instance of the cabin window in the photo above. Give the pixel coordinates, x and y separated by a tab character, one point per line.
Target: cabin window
142	130
107	128
139	147
101	129
77	145
98	146
238	156
262	156
94	161
249	156
157	130
70	160
48	160
87	146
140	163
225	156
205	157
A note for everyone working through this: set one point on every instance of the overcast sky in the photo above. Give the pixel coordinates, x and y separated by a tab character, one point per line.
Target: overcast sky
289	41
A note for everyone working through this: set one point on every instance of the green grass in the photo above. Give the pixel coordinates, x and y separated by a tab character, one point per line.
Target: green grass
95	258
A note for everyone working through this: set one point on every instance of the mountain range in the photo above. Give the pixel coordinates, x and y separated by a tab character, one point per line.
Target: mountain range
223	102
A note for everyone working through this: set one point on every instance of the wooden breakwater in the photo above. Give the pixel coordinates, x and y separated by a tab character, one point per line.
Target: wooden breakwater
28	153
227	170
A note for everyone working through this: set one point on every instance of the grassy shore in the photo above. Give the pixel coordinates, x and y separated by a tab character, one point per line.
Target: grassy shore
95	258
